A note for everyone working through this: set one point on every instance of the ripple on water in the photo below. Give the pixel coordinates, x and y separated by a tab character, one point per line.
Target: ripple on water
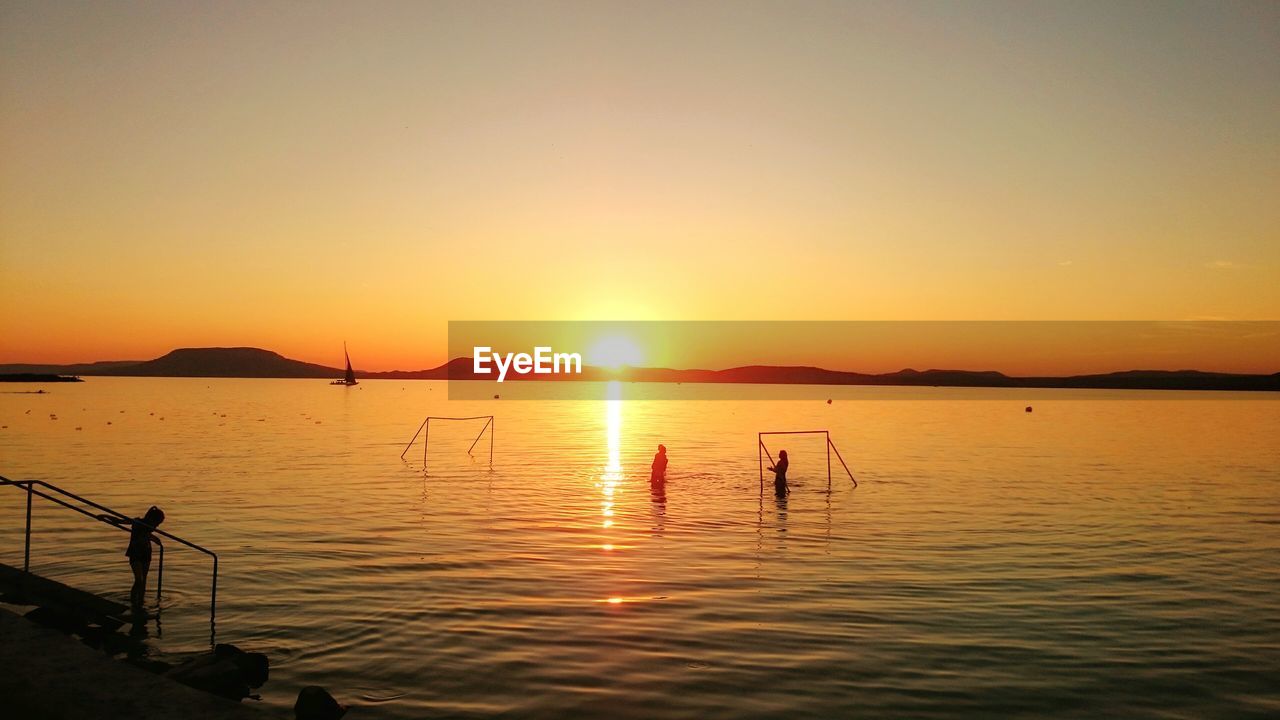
1104	560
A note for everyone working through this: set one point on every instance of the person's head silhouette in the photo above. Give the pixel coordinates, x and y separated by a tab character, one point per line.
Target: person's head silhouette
154	516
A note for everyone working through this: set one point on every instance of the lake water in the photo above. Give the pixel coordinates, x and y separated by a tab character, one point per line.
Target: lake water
1109	554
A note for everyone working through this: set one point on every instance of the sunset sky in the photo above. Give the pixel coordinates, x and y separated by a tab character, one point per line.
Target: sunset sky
293	175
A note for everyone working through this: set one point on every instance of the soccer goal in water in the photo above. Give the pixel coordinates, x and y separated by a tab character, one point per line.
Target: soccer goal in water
425	431
763	452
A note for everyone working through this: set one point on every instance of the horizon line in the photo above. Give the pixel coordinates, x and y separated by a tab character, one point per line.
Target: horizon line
372	374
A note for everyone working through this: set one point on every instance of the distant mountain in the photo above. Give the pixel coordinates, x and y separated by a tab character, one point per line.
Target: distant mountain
226	362
247	362
461	369
194	362
97	368
456	369
1159	380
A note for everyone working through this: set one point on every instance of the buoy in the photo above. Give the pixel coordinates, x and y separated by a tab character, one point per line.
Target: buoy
828	401
1028	408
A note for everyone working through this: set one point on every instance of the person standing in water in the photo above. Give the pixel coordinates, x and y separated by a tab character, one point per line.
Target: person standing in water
780	475
141	535
658	471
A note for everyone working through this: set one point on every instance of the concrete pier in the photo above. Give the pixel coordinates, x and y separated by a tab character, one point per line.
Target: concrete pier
45	675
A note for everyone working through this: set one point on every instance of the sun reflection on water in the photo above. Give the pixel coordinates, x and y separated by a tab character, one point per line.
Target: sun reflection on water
611	478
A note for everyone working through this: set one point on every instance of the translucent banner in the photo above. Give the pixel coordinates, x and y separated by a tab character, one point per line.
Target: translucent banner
696	360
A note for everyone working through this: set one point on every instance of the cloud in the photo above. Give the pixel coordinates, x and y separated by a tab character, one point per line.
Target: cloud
1223	265
1065	263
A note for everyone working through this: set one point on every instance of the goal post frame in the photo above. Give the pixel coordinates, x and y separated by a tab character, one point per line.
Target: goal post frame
762	450
425	430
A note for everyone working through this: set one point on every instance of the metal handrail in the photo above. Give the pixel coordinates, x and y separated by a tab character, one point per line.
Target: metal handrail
116	519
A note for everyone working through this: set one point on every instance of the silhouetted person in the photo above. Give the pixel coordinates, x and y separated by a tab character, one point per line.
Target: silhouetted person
139	553
658	473
780	475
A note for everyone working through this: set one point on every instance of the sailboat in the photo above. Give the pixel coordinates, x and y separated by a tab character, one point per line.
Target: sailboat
350	377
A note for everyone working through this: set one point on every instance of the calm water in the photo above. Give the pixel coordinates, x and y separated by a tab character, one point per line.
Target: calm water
1096	557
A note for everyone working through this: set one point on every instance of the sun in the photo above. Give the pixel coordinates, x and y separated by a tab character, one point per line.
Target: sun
614	352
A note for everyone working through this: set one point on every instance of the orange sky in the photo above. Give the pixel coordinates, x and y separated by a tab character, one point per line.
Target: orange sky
292	176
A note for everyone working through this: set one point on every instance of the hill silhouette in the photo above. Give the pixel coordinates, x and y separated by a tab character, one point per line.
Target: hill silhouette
95	368
244	362
226	362
248	362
